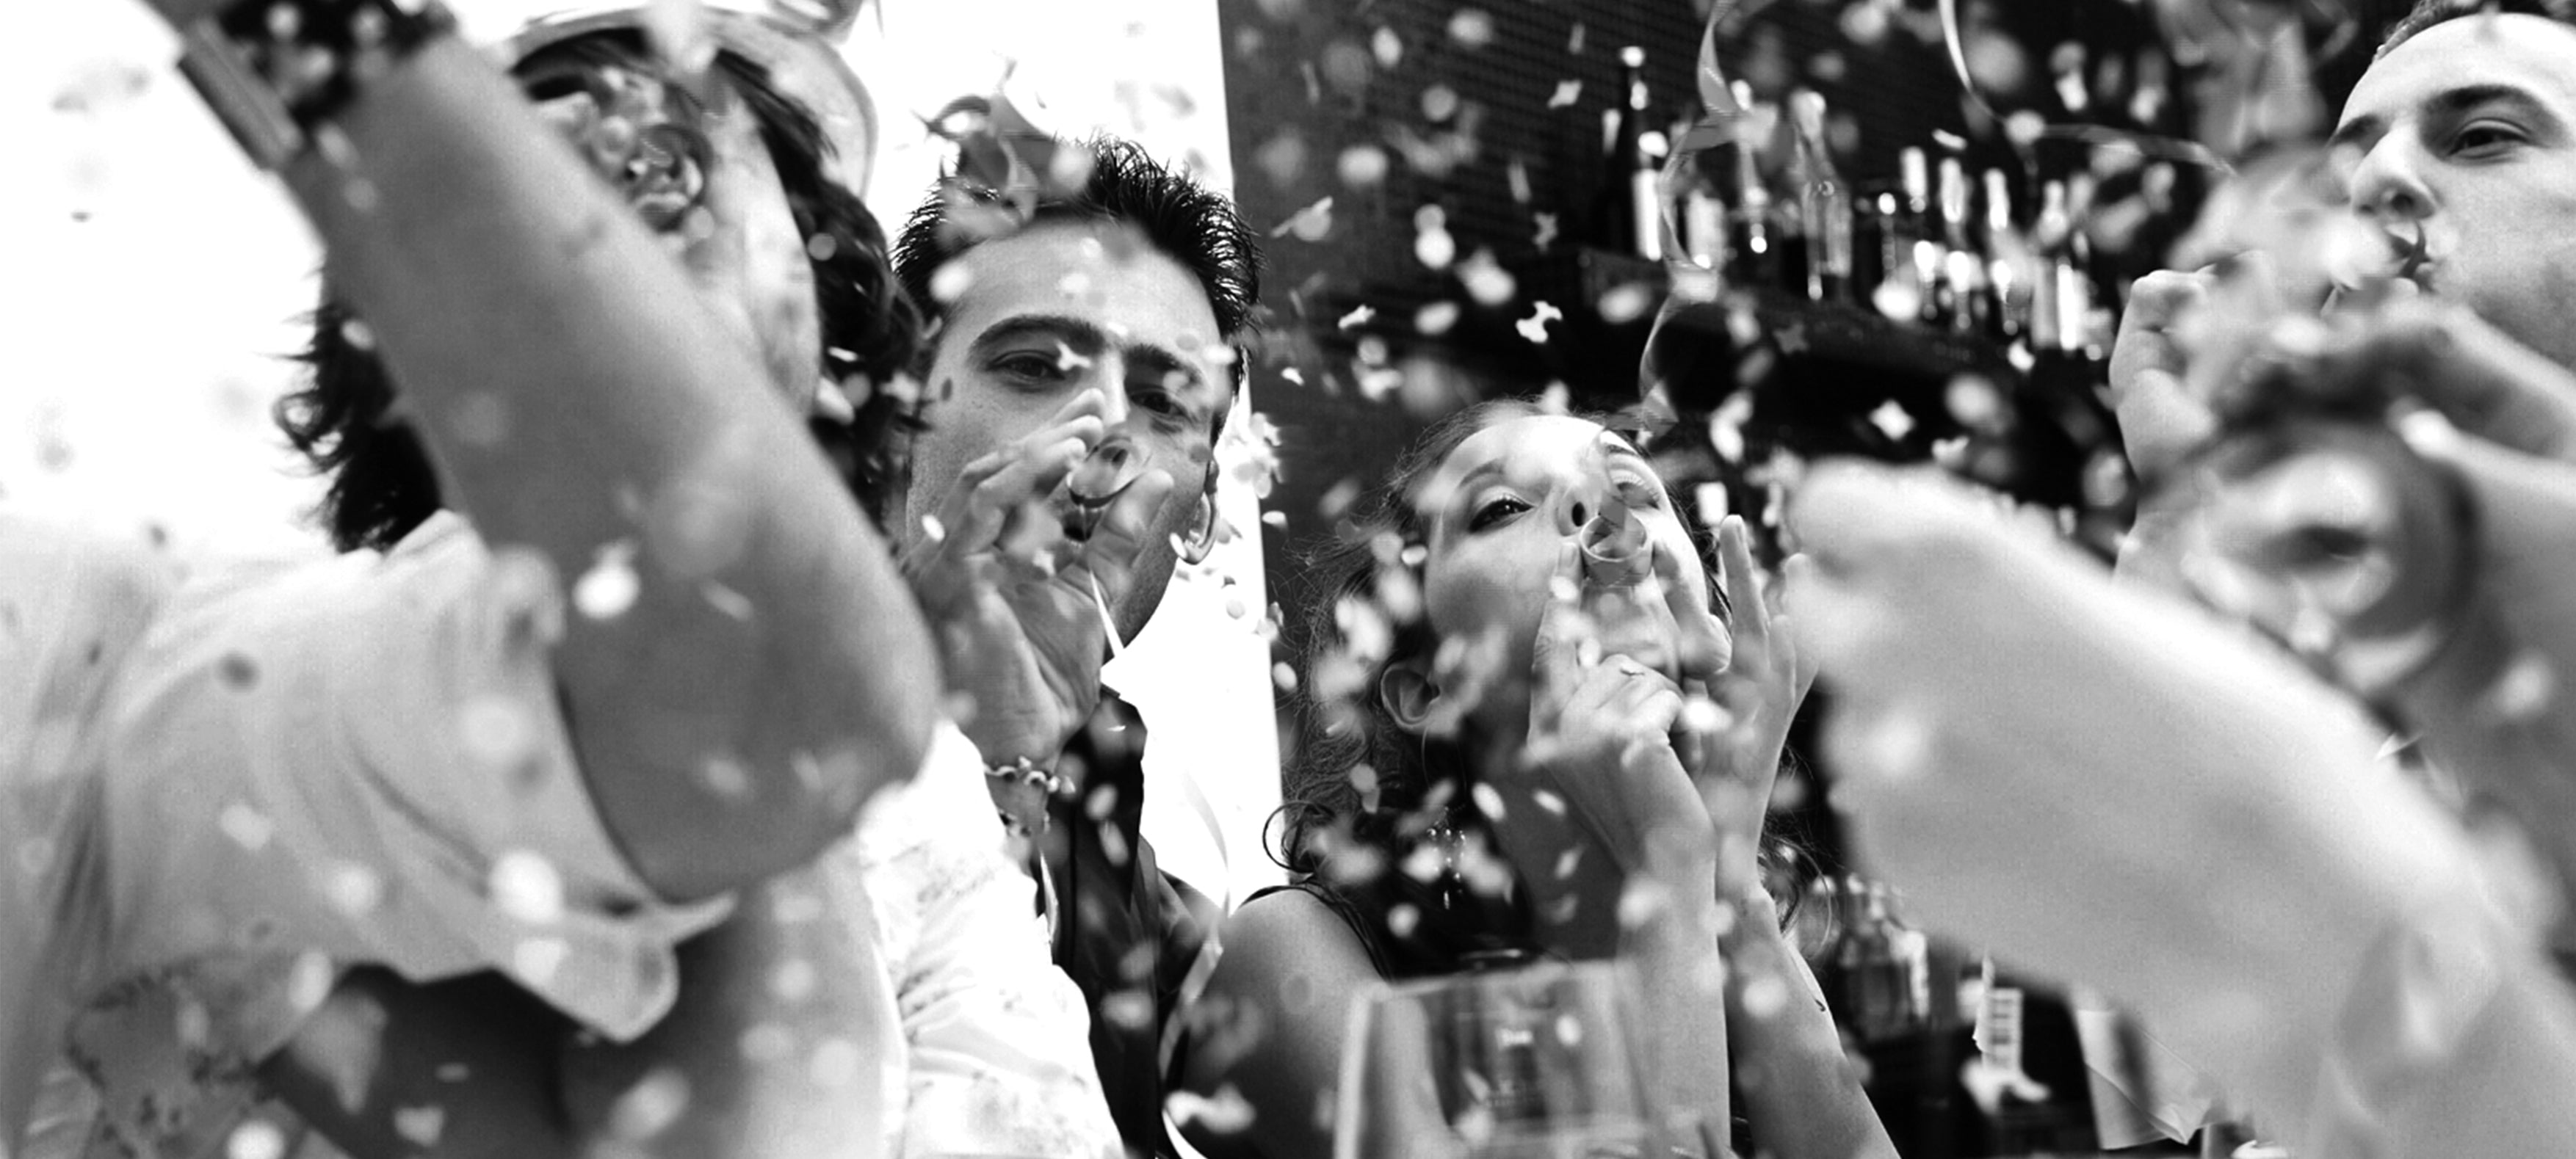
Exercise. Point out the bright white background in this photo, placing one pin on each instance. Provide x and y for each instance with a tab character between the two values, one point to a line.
154	282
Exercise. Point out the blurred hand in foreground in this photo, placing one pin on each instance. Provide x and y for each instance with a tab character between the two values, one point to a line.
2102	783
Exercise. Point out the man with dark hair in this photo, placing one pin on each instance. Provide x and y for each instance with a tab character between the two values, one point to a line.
2428	13
1119	304
2458	144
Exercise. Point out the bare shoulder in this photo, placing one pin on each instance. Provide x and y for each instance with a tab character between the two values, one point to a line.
1267	1033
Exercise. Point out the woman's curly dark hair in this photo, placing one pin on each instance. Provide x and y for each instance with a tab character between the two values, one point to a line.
381	482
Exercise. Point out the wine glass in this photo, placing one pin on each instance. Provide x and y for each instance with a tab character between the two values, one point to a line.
1540	1062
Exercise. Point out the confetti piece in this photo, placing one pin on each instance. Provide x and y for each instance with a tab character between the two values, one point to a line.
951	282
421	1125
1626	302
526	888
1534	327
495	732
767	1042
248	827
1387	47
535	960
2523	692
650	1106
1471	27
1225	1113
1358	316
1439	103
1362	166
256	1139
353	889
1486	280
1892	420
611	586
1310	224
725	777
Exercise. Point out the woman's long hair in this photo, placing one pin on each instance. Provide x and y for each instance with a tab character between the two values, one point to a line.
381	483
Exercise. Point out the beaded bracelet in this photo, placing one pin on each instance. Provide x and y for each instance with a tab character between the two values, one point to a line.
1025	811
276	71
1027	772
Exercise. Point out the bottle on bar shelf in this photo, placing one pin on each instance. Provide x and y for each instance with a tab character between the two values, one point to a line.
1788	204
1881	969
1869	270
2062	299
1824	202
1699	209
1916	240
1962	286
1752	238
1628	209
2010	271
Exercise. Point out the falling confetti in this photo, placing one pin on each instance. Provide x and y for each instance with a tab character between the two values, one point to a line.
526	888
1534	327
611	586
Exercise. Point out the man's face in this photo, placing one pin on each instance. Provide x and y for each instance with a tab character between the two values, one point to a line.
2468	132
1057	309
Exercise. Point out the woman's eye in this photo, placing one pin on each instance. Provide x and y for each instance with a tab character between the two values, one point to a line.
2484	138
1638	493
1495	510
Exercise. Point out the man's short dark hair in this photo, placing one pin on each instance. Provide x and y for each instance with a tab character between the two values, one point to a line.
2428	13
381	484
1187	221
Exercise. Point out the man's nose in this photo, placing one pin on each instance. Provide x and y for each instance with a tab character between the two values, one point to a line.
1107	373
2388	187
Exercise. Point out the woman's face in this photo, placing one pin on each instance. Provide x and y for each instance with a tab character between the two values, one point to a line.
1500	512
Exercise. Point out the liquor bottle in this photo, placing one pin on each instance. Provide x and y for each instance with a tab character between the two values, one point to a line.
2031	1055
1629	212
2062	297
1824	201
1963	268
1869	244
1915	244
1752	232
1879	967
1699	211
2009	268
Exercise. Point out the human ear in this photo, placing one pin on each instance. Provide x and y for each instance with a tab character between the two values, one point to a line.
1408	693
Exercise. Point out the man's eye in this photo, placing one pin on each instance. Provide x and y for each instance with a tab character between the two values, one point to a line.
1031	365
1495	510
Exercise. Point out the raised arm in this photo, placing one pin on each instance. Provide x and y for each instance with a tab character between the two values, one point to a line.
583	404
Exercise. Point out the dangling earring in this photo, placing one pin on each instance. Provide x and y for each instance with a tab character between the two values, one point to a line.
1202	545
